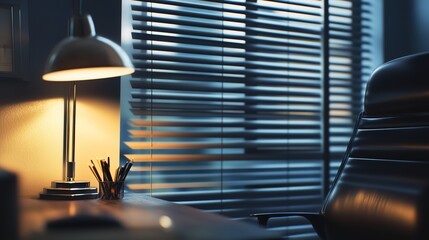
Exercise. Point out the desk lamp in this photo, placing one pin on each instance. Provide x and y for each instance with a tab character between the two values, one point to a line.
81	56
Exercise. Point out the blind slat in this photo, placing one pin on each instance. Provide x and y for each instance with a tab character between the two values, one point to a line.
277	156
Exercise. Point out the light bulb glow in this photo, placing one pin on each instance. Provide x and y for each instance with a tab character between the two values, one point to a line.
165	222
81	74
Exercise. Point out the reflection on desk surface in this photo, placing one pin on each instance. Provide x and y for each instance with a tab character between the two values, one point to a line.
137	216
152	234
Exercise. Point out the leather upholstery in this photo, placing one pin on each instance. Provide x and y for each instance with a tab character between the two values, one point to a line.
382	188
398	87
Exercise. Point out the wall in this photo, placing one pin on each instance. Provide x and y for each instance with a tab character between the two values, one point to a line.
406	27
31	112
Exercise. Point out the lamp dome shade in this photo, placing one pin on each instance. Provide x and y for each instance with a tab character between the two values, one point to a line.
87	58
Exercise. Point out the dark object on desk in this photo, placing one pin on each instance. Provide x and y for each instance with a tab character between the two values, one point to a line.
84	221
8	206
381	190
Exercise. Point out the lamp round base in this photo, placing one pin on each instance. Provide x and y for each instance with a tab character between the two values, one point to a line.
69	190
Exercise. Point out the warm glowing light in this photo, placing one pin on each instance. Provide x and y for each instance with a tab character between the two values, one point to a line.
72	209
165	222
87	74
25	123
378	207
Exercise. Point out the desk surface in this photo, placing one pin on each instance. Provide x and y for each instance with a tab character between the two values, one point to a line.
141	217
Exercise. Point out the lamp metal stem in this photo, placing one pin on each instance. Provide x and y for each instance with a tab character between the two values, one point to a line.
66	143
71	133
74	125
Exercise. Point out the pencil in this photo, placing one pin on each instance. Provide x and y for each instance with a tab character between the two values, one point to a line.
117	174
106	171
95	172
121	173
127	169
101	167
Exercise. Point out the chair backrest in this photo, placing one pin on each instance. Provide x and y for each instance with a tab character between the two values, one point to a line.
382	188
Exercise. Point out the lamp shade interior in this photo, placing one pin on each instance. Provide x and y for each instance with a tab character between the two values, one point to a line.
80	74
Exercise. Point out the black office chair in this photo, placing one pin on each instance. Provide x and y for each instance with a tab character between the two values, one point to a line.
381	191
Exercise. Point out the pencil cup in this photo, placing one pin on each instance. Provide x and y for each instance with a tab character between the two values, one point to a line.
111	190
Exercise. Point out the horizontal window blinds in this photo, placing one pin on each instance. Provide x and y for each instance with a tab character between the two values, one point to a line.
226	105
351	61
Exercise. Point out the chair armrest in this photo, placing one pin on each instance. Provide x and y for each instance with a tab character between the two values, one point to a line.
316	219
264	217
